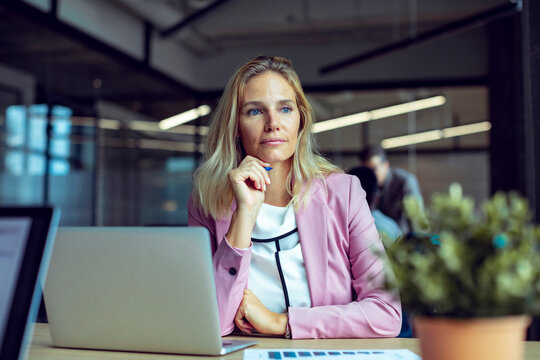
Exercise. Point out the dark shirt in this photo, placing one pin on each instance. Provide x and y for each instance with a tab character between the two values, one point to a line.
397	185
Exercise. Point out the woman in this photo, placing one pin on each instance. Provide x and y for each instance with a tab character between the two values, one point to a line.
292	237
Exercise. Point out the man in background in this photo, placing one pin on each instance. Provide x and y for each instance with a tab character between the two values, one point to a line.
394	184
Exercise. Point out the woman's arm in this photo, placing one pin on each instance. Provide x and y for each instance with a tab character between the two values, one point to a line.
231	269
248	183
232	254
376	312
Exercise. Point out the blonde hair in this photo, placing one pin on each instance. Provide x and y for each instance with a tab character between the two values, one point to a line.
223	149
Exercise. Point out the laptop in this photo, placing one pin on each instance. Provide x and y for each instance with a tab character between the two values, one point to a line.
135	289
26	237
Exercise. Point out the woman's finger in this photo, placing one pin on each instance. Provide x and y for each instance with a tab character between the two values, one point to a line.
244	326
243	175
263	174
258	161
259	181
241	321
254	172
257	165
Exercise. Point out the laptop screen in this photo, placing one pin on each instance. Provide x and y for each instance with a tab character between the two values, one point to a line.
24	252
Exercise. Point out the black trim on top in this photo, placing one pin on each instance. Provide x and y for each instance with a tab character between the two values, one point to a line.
282	278
277	238
278	262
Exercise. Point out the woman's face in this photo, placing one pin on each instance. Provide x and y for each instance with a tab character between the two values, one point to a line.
269	119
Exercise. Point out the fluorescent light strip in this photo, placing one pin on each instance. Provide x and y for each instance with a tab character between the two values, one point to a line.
137	125
91	121
412	139
184	117
466	129
163	145
435	135
109	124
170	145
378	113
181	129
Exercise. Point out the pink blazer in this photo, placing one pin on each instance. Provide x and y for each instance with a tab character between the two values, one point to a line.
338	237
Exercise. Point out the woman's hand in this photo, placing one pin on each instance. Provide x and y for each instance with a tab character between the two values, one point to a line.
248	182
252	314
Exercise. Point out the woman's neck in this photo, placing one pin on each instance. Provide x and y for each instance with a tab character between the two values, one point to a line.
276	192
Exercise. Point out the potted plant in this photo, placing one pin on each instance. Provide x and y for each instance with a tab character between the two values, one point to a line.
470	277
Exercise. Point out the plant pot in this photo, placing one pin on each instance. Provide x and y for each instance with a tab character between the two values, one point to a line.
497	338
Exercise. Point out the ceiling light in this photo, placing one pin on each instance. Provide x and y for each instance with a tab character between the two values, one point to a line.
466	129
170	145
435	135
412	139
181	129
138	125
91	121
378	113
109	124
184	117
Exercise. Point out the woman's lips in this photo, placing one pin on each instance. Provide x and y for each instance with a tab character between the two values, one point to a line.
272	141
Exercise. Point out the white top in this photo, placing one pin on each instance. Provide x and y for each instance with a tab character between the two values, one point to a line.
276	257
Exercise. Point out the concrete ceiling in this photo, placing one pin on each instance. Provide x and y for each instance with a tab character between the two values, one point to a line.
121	50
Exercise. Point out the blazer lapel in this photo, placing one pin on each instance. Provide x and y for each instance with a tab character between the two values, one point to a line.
311	222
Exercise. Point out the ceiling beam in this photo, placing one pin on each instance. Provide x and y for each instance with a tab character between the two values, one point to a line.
474	20
173	29
62	29
375	85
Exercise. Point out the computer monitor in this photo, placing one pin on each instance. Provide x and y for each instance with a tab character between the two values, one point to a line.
26	237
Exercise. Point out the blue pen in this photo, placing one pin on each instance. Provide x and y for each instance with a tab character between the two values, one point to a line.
267	168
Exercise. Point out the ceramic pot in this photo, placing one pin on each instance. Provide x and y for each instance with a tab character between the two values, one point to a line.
497	338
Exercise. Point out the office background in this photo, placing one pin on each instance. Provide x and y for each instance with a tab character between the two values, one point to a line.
84	83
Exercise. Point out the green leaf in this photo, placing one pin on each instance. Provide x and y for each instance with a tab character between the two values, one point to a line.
461	262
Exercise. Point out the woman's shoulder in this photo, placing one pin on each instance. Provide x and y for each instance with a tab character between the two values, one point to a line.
338	180
197	214
341	185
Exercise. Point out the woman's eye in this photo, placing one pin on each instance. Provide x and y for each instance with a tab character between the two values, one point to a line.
254	112
286	109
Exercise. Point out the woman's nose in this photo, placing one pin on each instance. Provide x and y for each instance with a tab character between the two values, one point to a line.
272	121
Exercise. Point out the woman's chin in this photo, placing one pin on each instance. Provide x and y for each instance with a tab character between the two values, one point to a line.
275	160
273	157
